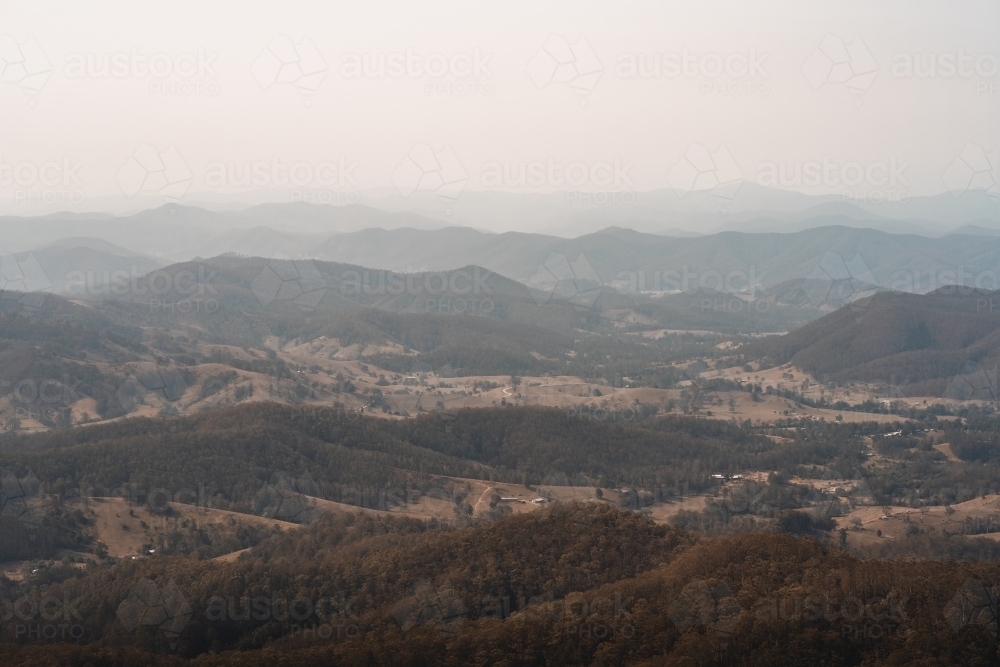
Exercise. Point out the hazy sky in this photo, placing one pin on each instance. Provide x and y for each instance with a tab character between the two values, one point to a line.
829	91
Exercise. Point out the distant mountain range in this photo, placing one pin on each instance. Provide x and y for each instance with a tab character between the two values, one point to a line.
977	230
566	214
625	261
178	233
658	263
667	211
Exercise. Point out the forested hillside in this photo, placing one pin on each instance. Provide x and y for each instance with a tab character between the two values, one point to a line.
569	586
237	450
924	341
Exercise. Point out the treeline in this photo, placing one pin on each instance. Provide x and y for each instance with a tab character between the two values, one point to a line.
228	455
976	446
235	451
567	586
535	444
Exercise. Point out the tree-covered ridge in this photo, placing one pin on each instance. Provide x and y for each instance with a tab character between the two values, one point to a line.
919	342
237	450
567	586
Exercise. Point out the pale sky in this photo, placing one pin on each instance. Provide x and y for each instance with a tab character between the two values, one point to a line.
522	106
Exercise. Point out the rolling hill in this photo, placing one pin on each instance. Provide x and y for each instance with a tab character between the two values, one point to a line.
946	343
570	585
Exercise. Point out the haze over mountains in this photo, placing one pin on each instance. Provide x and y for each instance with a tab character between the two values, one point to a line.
575	305
562	213
666	211
656	241
785	238
520	334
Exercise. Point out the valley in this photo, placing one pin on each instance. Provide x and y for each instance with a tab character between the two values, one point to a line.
478	334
